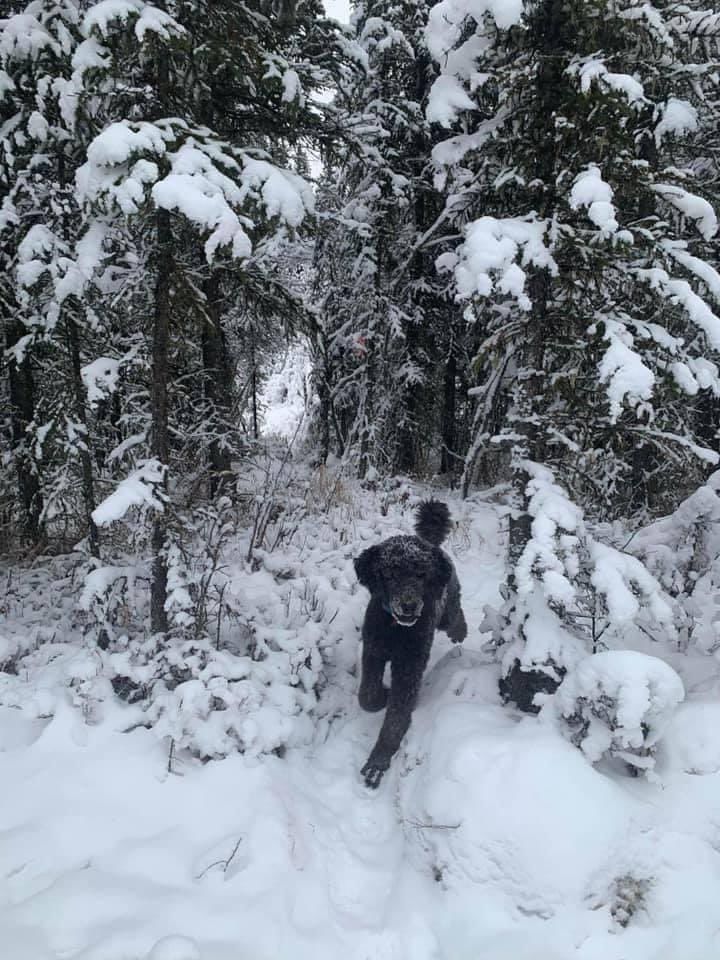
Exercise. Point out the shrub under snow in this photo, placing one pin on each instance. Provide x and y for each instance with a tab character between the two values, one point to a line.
617	703
569	589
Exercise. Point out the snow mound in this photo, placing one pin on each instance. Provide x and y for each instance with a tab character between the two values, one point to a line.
506	806
617	703
692	739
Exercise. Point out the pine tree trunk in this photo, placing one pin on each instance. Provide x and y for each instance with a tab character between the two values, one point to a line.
256	427
644	459
22	413
86	466
78	387
218	378
415	429
449	416
367	406
159	412
323	389
406	458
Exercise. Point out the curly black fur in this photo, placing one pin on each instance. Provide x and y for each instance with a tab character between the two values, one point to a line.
414	591
433	521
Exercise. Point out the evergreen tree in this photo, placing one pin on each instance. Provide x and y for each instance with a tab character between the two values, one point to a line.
146	167
586	243
390	341
45	270
201	213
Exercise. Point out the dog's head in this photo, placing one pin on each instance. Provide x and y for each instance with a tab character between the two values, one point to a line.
405	573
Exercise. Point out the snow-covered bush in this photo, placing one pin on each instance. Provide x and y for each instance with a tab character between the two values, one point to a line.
262	635
539	655
569	589
617	704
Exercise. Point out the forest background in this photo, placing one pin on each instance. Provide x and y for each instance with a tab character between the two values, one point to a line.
504	276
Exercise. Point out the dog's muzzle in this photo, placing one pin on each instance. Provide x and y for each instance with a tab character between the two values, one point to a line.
405	614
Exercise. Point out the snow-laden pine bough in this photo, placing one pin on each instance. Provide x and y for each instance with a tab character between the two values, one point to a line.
414	592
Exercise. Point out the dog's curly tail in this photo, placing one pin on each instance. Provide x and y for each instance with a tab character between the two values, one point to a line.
432	521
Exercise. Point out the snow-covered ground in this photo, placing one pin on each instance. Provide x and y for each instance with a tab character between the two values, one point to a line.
491	837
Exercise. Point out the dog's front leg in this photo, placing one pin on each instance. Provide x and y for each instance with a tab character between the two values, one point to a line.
404	688
372	694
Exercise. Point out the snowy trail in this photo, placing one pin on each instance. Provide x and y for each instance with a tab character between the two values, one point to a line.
490	836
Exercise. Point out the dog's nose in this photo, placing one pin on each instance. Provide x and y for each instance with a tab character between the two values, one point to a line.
408	607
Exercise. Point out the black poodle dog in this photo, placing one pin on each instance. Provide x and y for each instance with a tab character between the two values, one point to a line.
414	591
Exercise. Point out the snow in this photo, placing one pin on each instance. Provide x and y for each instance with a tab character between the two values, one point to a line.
592	70
653	18
285	195
7	84
553	515
110	153
680	291
89	55
617	703
551	576
447	18
80	270
101	16
628	379
700	268
37	126
175	948
138	489
693	207
447	98
292	88
546	643
487	257
490	835
225	817
284	395
204	203
100	378
591	191
35	247
23	37
678	117
214	187
100	581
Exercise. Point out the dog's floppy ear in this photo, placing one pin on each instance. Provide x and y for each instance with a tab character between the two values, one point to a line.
366	568
442	570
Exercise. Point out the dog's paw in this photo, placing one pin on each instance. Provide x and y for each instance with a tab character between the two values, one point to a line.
373	772
373	700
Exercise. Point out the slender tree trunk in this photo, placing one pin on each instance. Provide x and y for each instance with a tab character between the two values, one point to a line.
644	459
449	415
78	387
418	415
86	466
367	405
22	413
323	389
218	380
256	428
406	460
159	401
